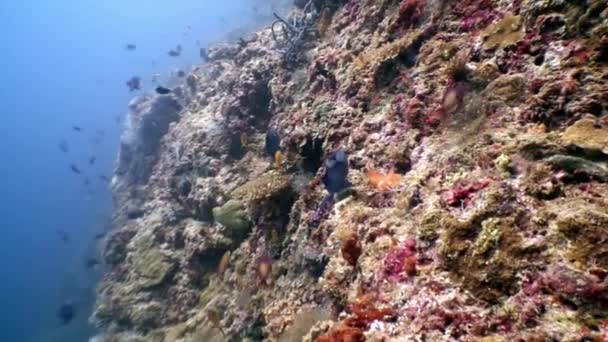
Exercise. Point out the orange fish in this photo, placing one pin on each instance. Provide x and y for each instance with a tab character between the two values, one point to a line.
278	159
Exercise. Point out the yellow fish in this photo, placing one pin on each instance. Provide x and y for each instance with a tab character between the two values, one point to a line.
244	139
278	159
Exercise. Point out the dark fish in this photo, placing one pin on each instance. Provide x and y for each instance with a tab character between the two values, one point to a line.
100	132
134	83
92	160
77	129
175	52
181	73
63	146
87	182
162	90
336	172
91	262
75	169
273	142
203	53
63	236
99	236
104	178
66	313
130	47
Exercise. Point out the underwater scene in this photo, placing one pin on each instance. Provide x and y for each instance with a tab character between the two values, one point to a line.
304	170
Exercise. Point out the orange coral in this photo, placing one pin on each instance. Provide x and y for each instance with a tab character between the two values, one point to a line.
351	249
363	314
383	182
342	333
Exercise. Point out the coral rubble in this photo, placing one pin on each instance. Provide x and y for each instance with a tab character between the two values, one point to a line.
491	224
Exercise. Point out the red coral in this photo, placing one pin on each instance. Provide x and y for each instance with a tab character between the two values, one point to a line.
476	13
462	193
571	284
401	260
410	12
342	333
363	313
351	249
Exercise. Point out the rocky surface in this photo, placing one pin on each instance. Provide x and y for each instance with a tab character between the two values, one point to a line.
491	225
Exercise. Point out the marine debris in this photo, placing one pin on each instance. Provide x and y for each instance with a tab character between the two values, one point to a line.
443	176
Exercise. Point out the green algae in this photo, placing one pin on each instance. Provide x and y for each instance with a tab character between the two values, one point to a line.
233	216
152	267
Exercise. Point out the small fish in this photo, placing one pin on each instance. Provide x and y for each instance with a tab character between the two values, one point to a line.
63	146
63	235
77	128
214	318
99	236
104	178
87	182
175	52
162	90
66	312
92	160
75	169
181	73
91	262
273	147
273	142
278	159
202	52
224	261
244	139
130	47
134	83
336	172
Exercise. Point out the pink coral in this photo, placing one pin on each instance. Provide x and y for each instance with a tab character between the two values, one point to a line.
462	193
401	262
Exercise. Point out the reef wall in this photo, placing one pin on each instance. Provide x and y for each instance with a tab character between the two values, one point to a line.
476	133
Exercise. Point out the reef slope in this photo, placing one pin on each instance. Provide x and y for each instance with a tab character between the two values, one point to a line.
491	226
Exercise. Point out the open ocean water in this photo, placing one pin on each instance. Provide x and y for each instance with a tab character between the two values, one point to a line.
63	95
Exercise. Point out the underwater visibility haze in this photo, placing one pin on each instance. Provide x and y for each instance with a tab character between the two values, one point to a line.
304	170
64	98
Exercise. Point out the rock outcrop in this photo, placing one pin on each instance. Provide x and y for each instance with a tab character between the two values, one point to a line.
492	119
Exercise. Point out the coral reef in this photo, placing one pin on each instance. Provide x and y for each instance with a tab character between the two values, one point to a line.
491	224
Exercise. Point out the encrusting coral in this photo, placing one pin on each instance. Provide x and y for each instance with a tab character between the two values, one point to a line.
492	118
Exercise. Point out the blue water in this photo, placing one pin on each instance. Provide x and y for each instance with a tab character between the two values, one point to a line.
64	64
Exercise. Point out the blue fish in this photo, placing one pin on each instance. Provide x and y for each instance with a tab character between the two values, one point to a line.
336	172
273	142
